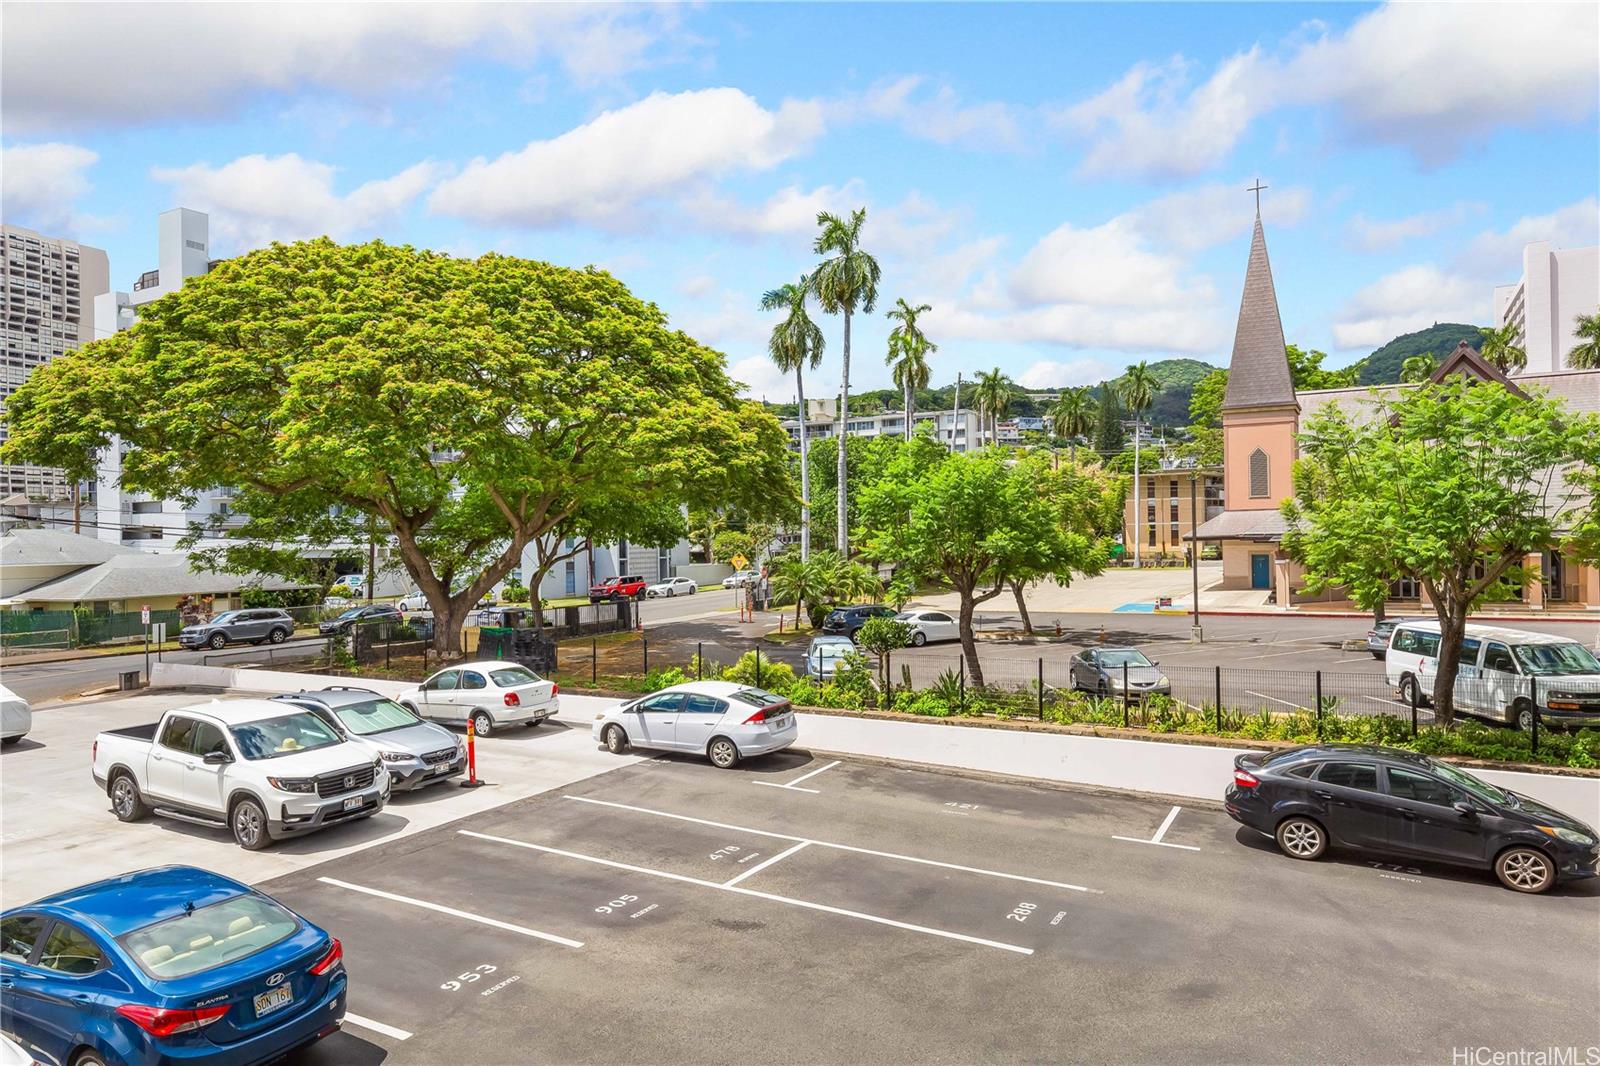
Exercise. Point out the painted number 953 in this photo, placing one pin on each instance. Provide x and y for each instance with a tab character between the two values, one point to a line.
477	973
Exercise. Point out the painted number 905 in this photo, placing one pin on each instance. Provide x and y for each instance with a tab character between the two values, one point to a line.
616	904
1022	911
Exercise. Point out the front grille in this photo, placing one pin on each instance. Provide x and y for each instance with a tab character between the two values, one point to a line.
345	781
434	758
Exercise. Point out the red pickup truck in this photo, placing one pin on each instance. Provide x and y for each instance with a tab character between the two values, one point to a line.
617	588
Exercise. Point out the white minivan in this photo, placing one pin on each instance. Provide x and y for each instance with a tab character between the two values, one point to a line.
1502	674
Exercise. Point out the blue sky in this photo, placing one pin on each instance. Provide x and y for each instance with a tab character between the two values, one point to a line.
1064	184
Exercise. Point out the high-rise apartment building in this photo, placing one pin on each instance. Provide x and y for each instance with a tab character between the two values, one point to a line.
1557	286
48	287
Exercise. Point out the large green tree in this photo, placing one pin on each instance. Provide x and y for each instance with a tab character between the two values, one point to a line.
795	344
1585	355
1072	418
1109	438
1500	347
992	393
909	348
469	407
845	282
1450	484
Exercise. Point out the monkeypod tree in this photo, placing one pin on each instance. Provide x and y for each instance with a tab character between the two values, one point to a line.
469	407
1450	484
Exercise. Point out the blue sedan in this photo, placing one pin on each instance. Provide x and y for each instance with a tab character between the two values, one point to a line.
172	965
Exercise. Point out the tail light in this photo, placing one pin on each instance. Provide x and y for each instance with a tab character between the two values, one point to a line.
1245	779
94	751
326	963
158	1021
513	700
761	716
555	690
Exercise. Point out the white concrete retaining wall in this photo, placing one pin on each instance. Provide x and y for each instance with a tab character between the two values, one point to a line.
1175	769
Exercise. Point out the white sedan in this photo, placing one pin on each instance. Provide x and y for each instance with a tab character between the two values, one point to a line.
740	578
673	586
929	626
483	695
721	720
15	717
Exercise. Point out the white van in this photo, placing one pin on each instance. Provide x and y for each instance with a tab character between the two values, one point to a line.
1501	673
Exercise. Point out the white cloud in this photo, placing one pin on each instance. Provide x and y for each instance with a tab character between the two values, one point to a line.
257	199
1430	77
1499	253
606	170
762	380
1377	235
1406	300
939	116
791	211
1209	215
1106	265
41	183
138	63
1049	374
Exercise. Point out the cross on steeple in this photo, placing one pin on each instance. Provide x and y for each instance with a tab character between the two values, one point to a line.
1256	188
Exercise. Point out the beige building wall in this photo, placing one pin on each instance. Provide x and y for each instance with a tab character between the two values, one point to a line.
1243	433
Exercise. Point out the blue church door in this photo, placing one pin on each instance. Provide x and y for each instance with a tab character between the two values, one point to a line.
1260	571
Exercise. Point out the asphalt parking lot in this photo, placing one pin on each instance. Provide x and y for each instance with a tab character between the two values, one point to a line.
801	909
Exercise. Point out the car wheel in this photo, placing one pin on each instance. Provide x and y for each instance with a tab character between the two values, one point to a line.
1525	869
481	723
1409	692
616	740
1522	714
918	639
249	823
1377	655
722	752
126	803
86	1057
278	636
218	641
9	742
693	589
1301	838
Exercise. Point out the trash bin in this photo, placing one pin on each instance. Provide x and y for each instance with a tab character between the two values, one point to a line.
128	680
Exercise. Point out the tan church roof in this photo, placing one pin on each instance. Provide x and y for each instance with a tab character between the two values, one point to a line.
1258	375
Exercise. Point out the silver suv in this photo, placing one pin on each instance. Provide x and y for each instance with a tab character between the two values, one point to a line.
256	625
414	752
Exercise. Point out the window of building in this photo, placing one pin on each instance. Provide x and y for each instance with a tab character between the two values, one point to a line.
1260	477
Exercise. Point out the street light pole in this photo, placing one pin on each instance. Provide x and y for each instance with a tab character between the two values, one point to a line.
1196	634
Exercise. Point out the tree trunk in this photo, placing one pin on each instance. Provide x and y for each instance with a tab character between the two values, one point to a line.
844	430
805	478
1022	606
1378	611
447	625
969	642
909	402
77	507
1452	612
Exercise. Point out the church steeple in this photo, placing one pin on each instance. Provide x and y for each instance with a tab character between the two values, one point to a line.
1258	375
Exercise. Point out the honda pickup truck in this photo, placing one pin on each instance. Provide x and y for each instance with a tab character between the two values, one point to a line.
262	769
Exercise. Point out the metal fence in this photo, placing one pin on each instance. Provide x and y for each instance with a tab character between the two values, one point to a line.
48	630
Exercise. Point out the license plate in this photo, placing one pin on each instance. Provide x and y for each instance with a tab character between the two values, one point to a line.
352	803
781	722
267	1002
442	770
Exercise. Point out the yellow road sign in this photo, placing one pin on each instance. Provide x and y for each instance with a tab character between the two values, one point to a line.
739	562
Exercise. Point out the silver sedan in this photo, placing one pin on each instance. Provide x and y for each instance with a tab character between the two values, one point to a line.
1102	670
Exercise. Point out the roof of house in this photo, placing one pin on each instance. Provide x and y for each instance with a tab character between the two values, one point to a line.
1258	374
52	547
1266	524
135	575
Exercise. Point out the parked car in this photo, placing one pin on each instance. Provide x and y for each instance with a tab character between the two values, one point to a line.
673	586
723	720
16	718
1408	805
254	625
847	621
416	601
365	615
170	965
617	588
1378	636
11	1053
262	769
350	582
740	578
826	655
930	626
1502	674
484	695
414	752
1101	670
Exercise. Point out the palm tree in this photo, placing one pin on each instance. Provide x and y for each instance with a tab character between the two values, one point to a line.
1138	389
1586	356
1418	368
845	282
993	394
1072	416
809	581
1500	348
796	343
909	348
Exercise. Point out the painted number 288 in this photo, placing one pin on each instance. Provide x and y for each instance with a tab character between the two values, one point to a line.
474	974
1022	911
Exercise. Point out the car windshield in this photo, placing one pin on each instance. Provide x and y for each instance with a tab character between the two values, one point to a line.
1548	659
1117	658
513	677
209	936
375	716
831	651
351	613
223	619
756	697
1461	779
288	735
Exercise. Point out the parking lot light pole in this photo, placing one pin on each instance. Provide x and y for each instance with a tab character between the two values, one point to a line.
1197	634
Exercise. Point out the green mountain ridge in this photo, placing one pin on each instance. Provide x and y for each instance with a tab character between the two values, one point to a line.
1382	367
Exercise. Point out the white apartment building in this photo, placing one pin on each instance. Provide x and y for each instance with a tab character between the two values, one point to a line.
959	432
1557	285
48	287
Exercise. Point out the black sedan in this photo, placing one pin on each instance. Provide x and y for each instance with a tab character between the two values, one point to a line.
1408	805
378	612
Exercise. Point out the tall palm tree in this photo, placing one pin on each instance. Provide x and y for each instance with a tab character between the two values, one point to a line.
1072	416
909	349
845	282
993	394
1138	389
1418	368
1500	347
1586	356
795	344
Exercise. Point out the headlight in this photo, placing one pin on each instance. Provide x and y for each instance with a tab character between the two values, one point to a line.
1162	680
1571	836
293	784
600	717
1116	681
395	756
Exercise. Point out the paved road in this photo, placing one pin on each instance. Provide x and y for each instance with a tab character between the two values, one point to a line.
669	912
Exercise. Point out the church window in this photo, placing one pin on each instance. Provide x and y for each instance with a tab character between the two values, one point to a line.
1260	482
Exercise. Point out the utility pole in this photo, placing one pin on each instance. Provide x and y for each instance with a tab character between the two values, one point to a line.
955	419
1138	500
1197	635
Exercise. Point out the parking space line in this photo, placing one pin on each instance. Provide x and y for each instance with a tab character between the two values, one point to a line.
813	773
1172	816
376	1027
830	844
1275	699
808	904
1275	654
791	788
442	909
758	867
1380	699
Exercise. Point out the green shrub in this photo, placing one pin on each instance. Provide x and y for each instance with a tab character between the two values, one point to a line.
773	676
664	677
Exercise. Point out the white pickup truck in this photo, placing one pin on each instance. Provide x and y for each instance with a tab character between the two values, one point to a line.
262	769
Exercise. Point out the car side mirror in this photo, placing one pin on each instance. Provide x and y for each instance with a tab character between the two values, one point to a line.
216	758
1465	809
